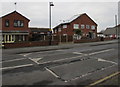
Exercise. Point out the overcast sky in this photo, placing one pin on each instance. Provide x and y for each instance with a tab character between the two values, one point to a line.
103	13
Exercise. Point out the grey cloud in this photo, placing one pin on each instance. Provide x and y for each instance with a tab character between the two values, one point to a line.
38	12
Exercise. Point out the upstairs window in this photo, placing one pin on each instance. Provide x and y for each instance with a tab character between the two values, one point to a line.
82	26
59	29
64	26
76	26
87	26
93	27
55	31
7	23
18	23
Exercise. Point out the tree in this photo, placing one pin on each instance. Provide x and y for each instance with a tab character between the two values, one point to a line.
78	32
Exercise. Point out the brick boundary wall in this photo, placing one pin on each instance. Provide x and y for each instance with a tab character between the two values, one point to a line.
86	40
108	38
92	40
29	44
46	43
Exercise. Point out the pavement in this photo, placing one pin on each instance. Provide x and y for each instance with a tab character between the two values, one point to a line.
68	64
60	46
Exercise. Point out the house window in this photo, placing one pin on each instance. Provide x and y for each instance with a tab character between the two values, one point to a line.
76	26
3	38
7	23
18	23
59	29
92	27
87	27
82	26
55	31
64	26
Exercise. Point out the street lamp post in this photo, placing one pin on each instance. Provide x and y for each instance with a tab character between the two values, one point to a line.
50	37
116	25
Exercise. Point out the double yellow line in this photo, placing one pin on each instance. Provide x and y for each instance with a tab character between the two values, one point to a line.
103	79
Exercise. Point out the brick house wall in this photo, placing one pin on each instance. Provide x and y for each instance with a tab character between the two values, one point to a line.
12	33
82	19
15	16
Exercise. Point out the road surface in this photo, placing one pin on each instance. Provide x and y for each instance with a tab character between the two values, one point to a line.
86	64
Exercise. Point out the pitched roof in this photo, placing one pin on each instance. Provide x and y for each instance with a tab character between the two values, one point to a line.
110	31
13	13
73	18
70	20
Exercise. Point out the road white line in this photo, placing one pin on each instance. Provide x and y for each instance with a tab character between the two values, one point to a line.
27	54
66	59
60	60
13	67
46	51
77	53
60	50
102	60
90	73
83	55
53	73
13	60
35	60
100	51
39	52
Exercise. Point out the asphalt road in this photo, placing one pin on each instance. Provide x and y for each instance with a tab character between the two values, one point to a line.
76	64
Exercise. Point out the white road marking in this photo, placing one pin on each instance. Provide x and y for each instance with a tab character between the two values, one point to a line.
77	53
27	54
76	56
35	60
13	67
40	52
60	60
100	51
102	60
13	60
66	58
48	51
89	73
45	51
53	73
60	50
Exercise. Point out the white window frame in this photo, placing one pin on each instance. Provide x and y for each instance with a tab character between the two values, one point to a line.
92	27
64	26
59	30
76	26
82	26
7	23
18	23
55	31
87	26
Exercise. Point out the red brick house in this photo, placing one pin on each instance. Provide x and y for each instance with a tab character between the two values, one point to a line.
80	22
14	27
38	34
